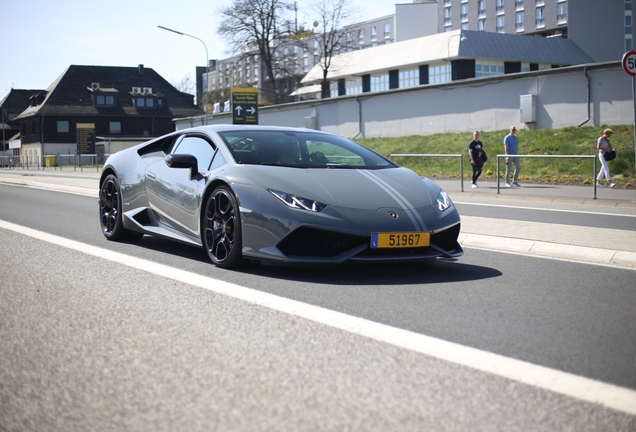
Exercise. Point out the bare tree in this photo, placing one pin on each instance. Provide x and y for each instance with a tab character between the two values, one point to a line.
256	25
331	18
186	85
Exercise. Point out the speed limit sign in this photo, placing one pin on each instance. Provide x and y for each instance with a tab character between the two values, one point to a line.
629	62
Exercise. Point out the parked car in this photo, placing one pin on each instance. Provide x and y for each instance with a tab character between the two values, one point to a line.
275	194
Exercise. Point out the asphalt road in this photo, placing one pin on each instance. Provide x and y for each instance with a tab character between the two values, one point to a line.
91	341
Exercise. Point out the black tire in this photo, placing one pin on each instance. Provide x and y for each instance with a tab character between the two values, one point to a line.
110	212
221	228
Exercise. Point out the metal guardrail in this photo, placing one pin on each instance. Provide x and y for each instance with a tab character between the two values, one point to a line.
499	156
55	162
460	156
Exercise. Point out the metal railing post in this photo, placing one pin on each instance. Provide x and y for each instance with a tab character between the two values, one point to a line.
461	170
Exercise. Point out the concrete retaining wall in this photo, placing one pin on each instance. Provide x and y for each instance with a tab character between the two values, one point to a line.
484	104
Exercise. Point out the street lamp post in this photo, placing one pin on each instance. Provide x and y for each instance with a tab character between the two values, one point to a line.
206	65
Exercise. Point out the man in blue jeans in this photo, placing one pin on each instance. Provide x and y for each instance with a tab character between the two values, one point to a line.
511	144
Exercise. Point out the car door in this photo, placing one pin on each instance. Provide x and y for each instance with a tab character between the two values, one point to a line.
174	194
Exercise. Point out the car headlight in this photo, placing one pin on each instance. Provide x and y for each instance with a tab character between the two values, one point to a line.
297	202
443	201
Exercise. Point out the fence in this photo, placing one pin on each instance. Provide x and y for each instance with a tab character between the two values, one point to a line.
499	156
461	164
59	161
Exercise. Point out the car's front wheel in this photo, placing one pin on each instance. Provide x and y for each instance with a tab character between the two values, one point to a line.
110	212
221	224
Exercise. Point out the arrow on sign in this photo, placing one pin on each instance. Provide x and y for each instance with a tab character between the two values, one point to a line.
251	110
238	109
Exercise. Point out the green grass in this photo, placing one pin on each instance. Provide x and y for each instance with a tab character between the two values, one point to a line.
566	141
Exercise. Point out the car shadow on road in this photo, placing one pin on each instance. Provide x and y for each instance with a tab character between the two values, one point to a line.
441	271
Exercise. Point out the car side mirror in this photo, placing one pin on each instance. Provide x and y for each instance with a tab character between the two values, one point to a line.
183	161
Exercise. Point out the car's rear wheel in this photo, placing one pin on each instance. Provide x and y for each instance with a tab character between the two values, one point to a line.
221	224
110	212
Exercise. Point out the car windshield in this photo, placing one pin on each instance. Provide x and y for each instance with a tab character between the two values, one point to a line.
300	150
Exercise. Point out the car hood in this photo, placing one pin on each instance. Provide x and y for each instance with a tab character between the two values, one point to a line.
348	188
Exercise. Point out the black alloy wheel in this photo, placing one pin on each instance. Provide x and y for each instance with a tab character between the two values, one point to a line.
222	228
110	212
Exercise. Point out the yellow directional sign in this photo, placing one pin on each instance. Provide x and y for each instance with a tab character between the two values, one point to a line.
244	105
85	138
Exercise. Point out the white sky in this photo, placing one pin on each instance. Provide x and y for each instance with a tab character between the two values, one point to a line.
41	39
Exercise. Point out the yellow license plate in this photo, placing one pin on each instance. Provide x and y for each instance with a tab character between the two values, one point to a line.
400	240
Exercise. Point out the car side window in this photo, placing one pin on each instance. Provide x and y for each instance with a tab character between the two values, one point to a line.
197	147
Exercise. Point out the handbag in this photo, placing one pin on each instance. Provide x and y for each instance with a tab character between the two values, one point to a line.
484	157
610	155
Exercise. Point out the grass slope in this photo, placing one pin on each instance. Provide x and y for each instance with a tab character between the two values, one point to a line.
567	141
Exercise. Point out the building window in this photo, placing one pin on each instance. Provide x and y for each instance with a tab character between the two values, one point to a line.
387	31
361	37
519	21
353	86
114	127
488	68
463	11
540	17
519	4
481	7
628	25
439	73
380	83
104	100
562	13
333	89
409	78
374	34
482	25
501	24
447	15
628	5
464	26
62	126
144	102
500	5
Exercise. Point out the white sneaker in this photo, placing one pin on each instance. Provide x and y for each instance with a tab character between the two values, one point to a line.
599	185
612	185
474	185
516	184
508	185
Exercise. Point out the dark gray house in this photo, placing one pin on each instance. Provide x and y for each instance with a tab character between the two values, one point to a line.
87	103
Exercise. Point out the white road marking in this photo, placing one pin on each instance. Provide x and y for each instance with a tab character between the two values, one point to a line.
544	209
581	388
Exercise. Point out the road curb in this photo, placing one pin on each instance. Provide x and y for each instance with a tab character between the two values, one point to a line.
561	251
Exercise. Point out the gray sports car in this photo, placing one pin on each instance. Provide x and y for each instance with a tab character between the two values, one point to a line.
275	194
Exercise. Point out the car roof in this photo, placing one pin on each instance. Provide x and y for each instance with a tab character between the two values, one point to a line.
230	127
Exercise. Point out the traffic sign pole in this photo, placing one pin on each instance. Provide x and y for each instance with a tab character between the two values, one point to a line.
634	100
629	66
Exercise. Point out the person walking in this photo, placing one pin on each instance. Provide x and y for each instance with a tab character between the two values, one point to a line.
604	145
511	144
475	152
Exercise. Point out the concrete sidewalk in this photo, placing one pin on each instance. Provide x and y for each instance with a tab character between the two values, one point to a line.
529	238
